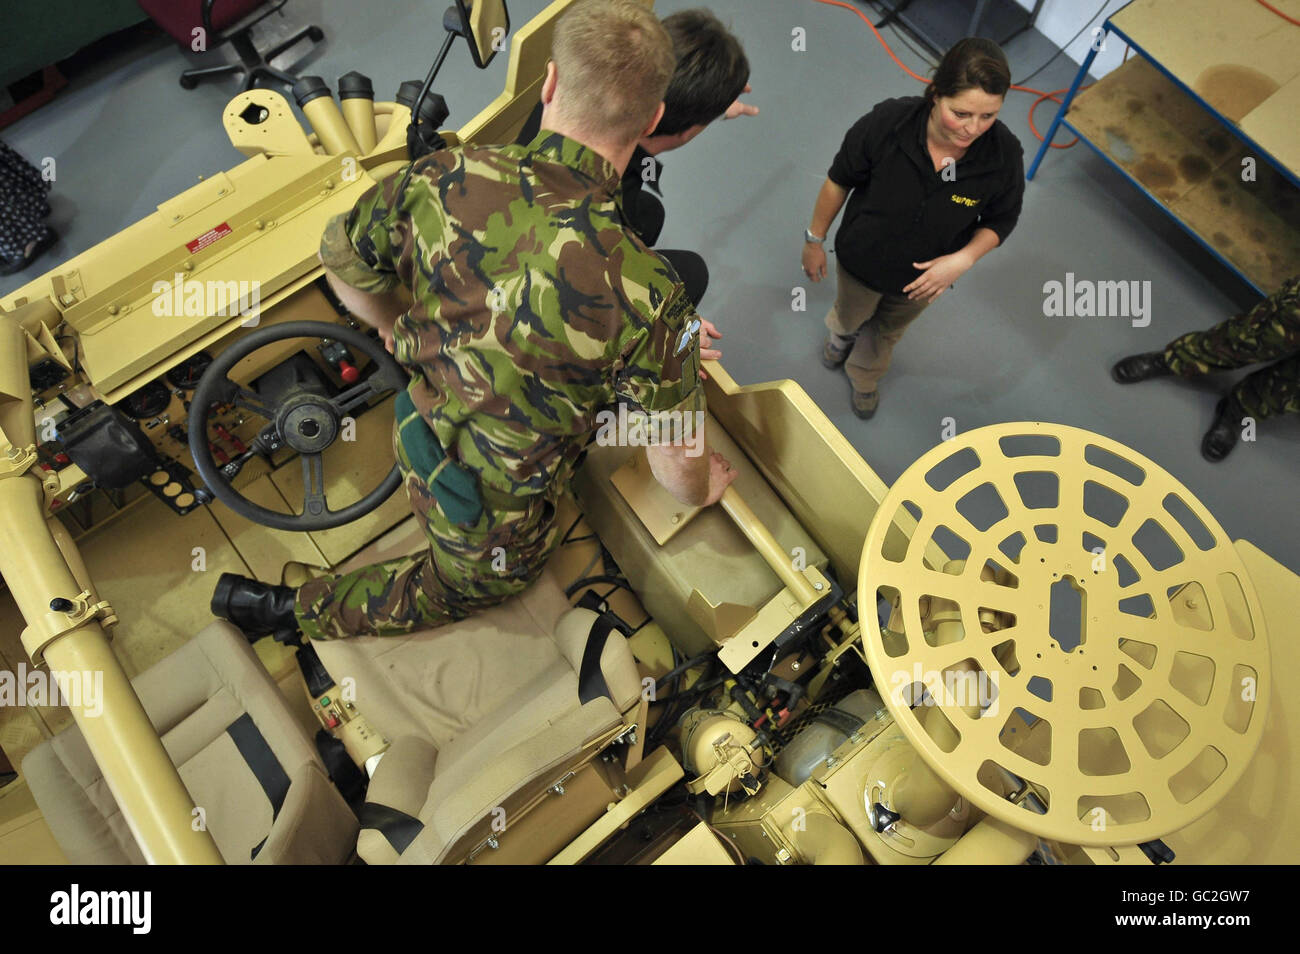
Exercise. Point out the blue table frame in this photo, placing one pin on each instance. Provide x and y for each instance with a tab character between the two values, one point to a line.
1060	120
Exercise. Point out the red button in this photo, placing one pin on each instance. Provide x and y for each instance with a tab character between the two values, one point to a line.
62	459
348	372
331	722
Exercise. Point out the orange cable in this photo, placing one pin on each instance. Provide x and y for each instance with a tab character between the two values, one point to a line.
865	19
1054	95
1268	6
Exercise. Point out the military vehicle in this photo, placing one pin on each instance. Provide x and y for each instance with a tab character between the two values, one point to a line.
1035	647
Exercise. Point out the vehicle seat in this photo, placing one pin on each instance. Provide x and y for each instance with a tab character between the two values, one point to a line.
481	713
246	761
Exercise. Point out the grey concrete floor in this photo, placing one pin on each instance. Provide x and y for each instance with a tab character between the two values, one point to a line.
127	137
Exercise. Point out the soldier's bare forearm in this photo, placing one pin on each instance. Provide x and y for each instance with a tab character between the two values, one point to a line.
684	475
378	311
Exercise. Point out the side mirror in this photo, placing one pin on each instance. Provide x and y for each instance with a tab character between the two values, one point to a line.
484	25
487	23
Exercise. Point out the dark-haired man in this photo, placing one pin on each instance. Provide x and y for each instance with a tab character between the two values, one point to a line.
712	72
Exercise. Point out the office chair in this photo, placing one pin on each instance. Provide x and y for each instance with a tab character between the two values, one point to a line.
226	21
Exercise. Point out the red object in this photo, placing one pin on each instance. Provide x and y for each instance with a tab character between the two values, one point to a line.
348	372
62	459
331	721
180	18
208	238
1288	19
51	82
231	439
1024	89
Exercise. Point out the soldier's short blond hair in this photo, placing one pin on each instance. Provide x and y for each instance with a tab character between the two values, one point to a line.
614	60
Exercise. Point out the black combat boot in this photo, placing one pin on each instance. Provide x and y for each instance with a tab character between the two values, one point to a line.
1139	367
1222	436
255	607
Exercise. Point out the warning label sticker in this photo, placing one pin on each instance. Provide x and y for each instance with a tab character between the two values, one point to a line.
209	237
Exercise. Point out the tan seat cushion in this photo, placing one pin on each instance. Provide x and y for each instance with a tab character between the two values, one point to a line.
438	683
78	807
397	793
482	706
501	756
218	713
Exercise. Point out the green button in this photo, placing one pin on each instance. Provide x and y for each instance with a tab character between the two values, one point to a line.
324	700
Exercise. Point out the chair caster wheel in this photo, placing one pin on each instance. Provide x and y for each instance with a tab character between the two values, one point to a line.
188	82
316	34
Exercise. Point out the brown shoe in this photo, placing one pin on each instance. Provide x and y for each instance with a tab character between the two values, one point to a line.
865	403
833	355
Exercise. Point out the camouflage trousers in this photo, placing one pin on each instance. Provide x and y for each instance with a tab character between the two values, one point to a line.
464	569
1269	331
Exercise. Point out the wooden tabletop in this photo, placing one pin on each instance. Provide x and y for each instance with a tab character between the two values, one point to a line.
1237	55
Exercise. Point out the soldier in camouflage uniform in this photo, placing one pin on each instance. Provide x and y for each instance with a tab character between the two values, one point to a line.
533	309
1269	331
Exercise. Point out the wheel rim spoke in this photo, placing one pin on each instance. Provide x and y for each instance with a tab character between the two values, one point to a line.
242	397
313	486
353	397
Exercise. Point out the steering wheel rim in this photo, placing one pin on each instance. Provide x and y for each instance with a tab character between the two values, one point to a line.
1092	696
216	387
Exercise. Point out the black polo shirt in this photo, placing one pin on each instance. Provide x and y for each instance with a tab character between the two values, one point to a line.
900	210
641	216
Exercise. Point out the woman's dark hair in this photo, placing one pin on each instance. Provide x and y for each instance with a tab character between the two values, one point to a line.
972	63
712	71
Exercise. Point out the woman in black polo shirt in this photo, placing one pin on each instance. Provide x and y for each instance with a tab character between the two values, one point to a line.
933	183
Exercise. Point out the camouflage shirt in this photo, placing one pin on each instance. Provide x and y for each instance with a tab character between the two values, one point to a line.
535	308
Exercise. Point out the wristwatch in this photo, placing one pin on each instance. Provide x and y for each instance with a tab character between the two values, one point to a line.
815	239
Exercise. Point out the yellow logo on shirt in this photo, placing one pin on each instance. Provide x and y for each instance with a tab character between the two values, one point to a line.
962	200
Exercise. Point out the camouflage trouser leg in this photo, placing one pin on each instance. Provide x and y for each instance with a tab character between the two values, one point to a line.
1271	390
1269	331
463	570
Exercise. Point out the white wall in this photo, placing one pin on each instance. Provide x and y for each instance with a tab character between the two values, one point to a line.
1061	19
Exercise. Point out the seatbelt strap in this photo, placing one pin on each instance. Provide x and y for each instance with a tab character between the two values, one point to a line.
262	762
591	679
397	827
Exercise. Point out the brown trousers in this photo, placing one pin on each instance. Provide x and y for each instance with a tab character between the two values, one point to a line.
873	321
